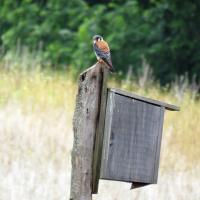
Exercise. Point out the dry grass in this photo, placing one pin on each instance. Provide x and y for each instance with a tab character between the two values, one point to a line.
36	110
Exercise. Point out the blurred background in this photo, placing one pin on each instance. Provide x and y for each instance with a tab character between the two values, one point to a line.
45	44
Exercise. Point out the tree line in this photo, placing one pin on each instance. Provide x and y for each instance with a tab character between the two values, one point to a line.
164	32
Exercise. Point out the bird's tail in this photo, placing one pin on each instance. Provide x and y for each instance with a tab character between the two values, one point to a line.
109	64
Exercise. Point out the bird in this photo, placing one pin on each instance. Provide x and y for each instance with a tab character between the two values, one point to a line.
102	51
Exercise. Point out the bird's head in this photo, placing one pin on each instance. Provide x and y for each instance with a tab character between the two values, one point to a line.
97	38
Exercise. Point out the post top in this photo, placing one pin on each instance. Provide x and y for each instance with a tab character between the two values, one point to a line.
145	99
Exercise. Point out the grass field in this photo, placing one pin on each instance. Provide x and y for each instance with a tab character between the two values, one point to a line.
36	110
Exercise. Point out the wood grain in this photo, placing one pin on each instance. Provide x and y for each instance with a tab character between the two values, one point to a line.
85	122
99	134
132	140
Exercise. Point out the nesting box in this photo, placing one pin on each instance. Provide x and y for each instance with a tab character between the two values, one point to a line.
132	138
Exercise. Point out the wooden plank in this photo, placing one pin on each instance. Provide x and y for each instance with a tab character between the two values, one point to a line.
157	152
159	139
130	140
107	132
99	134
85	121
152	101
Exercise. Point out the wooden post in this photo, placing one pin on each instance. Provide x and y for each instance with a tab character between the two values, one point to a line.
85	124
99	134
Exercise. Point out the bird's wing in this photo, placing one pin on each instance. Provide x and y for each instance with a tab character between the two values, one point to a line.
103	45
102	50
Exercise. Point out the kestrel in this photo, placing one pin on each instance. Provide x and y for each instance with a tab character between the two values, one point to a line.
102	51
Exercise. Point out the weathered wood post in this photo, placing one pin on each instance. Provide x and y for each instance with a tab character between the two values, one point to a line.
87	122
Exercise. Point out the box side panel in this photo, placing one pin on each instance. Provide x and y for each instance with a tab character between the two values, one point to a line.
131	140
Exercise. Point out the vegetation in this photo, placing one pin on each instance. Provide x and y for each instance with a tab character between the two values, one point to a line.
36	109
45	44
47	90
164	32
